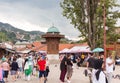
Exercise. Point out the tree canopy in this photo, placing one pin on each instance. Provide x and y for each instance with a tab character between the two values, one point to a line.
3	37
87	17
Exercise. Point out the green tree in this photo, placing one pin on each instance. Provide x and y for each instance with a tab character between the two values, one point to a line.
3	37
11	36
64	40
87	17
27	36
37	38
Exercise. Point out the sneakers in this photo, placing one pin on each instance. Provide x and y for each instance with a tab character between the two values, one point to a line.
68	81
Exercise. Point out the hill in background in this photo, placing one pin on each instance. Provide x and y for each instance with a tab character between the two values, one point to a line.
11	33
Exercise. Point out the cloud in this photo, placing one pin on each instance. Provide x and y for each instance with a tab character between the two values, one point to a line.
36	15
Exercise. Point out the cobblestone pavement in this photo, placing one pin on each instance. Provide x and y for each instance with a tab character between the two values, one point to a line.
78	76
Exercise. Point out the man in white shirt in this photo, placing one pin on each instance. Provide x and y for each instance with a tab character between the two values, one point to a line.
109	67
20	62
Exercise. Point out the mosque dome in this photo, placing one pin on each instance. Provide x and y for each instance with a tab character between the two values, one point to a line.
53	30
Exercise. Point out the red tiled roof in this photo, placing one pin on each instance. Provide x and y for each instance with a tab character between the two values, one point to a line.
43	47
29	46
37	44
20	49
63	46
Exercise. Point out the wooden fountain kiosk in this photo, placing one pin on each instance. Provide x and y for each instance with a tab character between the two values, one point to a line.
52	37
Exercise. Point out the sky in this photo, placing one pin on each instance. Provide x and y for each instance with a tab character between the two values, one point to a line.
37	15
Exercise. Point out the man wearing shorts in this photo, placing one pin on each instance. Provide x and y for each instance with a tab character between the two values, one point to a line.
6	68
14	69
42	69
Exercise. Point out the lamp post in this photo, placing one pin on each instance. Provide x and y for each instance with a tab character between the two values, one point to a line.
104	24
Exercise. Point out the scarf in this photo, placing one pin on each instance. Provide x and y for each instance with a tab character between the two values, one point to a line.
98	74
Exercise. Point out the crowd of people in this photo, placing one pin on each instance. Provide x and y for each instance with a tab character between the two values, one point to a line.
66	66
98	68
18	65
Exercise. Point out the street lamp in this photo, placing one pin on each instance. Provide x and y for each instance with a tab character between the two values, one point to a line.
104	26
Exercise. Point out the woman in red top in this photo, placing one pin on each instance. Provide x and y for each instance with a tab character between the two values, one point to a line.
42	69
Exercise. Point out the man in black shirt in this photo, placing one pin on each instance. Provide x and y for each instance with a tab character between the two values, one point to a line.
90	62
90	65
